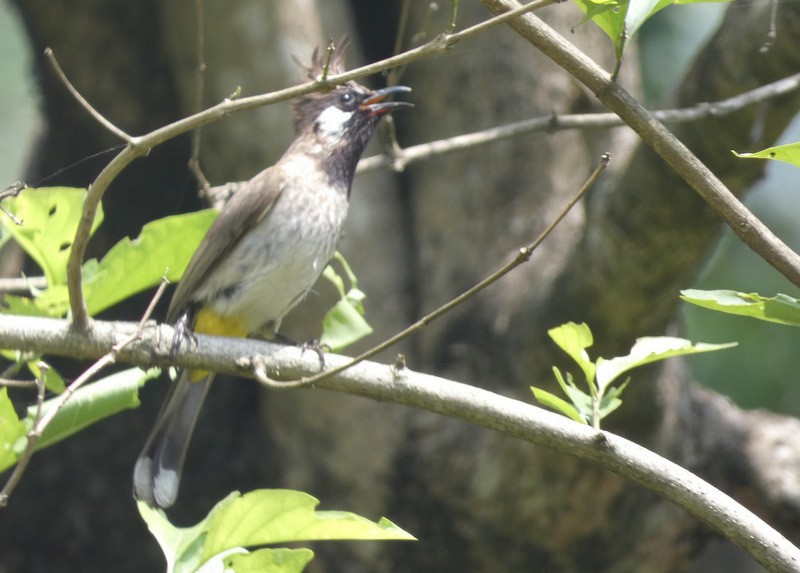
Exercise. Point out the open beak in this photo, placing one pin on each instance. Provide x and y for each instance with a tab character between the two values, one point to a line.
374	104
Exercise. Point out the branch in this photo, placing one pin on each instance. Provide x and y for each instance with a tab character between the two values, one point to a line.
399	385
746	225
399	158
48	52
41	421
140	146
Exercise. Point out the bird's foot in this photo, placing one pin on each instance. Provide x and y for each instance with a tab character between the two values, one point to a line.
315	346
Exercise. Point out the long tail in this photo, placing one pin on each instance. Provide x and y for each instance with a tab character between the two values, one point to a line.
157	473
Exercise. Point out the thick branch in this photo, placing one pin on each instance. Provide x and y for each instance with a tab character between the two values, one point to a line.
402	386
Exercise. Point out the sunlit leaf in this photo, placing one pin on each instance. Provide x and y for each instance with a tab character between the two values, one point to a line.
50	217
132	266
789	153
574	339
647	350
280	560
12	429
93	403
281	516
553	402
781	308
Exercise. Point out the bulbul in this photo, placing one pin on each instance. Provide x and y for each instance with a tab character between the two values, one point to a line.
263	253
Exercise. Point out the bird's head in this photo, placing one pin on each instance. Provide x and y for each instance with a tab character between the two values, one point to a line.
346	115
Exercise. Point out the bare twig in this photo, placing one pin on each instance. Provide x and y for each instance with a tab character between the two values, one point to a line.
22	284
522	256
48	52
41	422
398	158
33	437
199	85
18	383
139	146
11	191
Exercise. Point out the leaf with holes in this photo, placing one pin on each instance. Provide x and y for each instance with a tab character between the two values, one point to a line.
49	219
789	153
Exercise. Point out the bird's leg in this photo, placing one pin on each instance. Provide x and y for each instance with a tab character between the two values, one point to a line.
315	346
183	332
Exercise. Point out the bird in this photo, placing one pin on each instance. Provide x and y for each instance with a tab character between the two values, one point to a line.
263	253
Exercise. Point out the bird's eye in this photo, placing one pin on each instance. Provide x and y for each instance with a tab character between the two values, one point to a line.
346	98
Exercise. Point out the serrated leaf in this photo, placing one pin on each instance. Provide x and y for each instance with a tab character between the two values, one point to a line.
781	308
132	266
553	402
50	218
265	517
574	339
647	350
280	560
12	429
789	153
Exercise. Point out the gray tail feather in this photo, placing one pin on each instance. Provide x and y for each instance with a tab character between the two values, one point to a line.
158	469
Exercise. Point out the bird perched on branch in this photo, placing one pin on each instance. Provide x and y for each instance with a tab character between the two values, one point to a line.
263	253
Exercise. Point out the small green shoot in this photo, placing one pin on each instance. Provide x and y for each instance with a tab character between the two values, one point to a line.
603	396
344	324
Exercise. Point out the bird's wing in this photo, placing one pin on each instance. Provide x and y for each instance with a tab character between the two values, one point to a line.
248	207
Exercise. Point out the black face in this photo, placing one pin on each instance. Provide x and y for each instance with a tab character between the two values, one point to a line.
341	121
349	108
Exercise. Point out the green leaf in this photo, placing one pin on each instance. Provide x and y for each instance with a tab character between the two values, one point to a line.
131	266
12	430
49	218
281	560
92	403
553	402
611	399
281	516
781	308
574	339
343	325
182	546
790	153
52	379
647	350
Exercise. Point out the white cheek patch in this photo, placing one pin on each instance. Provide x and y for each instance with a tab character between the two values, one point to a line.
332	120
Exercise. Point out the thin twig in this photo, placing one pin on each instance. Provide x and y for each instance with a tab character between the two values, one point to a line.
33	436
398	158
522	256
48	52
199	85
12	191
18	383
41	422
139	146
22	284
